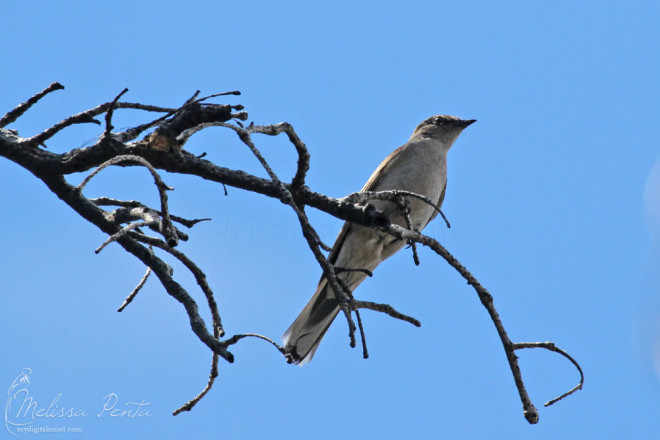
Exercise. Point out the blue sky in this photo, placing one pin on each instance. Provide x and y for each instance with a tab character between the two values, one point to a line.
553	198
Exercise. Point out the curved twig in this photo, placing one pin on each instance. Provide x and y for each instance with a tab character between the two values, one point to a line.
392	196
167	228
552	347
303	155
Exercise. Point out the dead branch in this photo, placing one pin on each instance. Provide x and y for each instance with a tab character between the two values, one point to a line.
131	296
17	112
162	149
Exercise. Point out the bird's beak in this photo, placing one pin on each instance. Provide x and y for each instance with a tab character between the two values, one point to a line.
465	122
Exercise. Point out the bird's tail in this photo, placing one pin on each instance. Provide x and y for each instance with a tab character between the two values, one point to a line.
304	336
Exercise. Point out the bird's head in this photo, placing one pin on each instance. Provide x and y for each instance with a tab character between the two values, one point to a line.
443	128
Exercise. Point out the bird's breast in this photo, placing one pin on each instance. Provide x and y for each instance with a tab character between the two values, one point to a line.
423	173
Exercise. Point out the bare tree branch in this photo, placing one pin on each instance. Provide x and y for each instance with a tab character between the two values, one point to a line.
17	112
108	114
162	149
131	296
108	201
552	347
166	227
303	155
384	308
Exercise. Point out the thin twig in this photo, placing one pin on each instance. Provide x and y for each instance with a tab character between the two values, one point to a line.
200	277
108	201
234	339
552	347
187	134
80	118
167	229
108	114
117	235
133	133
405	211
347	313
135	291
384	308
192	98
303	154
195	400
445	219
363	337
209	384
367	272
392	196
215	95
151	216
18	111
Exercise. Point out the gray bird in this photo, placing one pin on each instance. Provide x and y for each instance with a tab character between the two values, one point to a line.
418	166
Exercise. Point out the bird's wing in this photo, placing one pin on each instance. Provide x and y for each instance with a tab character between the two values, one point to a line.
371	185
377	175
